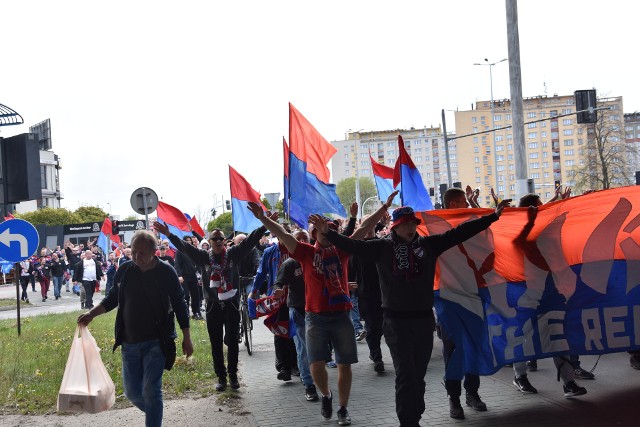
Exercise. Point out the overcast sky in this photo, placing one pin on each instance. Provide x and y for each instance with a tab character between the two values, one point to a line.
167	94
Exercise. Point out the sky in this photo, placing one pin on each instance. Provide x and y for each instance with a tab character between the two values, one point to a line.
166	94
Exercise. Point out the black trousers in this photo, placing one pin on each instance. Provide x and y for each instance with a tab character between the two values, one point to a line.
24	284
410	342
371	312
223	324
89	288
192	294
471	381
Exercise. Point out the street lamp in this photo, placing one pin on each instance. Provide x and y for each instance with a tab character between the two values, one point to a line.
495	157
110	211
365	202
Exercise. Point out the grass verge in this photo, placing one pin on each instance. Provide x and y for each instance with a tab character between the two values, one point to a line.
32	364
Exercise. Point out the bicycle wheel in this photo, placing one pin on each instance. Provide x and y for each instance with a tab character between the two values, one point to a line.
247	326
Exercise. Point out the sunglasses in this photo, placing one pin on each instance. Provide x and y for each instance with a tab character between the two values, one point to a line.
217	239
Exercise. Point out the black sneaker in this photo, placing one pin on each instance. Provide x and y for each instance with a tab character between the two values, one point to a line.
455	408
523	384
361	335
295	372
222	384
582	374
378	366
233	382
327	409
310	393
284	375
634	359
532	365
571	389
343	417
474	401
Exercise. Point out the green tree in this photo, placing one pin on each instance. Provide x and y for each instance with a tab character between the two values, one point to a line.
346	190
224	222
90	214
51	216
131	218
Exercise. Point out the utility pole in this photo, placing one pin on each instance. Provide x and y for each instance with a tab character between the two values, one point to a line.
517	109
446	150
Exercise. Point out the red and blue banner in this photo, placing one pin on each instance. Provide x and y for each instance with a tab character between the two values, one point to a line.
175	219
413	192
241	194
383	175
106	236
309	188
538	283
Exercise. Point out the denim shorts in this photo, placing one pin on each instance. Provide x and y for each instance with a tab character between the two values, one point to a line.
335	328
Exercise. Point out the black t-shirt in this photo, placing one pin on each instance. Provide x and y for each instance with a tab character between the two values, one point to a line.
167	259
141	305
290	274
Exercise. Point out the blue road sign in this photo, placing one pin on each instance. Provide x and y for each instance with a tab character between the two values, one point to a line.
18	240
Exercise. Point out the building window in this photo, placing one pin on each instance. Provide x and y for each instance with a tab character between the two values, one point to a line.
532	125
476	159
568	142
531	115
533	155
568	152
567	132
569	162
533	145
497	117
567	122
474	120
43	176
498	138
534	165
543	134
499	147
567	111
507	116
532	134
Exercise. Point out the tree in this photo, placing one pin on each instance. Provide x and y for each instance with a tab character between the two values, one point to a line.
607	159
224	222
51	216
131	218
346	190
90	214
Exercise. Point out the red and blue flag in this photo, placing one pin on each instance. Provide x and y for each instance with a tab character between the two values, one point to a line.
413	192
241	194
383	175
309	188
285	200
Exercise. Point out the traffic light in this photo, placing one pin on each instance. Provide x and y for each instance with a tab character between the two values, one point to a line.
115	228
228	204
586	100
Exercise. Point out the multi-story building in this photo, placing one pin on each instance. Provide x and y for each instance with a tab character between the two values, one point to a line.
632	137
425	146
555	144
49	172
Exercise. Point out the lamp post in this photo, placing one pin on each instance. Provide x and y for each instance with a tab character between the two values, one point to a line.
110	211
365	202
495	157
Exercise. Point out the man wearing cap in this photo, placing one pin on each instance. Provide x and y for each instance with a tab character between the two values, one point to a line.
406	263
327	306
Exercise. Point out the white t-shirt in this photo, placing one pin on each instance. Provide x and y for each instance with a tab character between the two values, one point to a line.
89	269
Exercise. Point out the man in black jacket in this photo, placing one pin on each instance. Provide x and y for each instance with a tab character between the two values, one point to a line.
187	270
406	264
87	272
223	298
143	290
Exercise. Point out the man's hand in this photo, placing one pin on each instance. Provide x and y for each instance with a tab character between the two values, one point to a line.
273	216
253	296
187	346
503	204
319	223
353	210
567	193
278	293
256	210
85	319
180	279
389	201
161	228
495	197
353	286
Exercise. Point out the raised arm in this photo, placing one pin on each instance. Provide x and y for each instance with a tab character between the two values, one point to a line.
374	218
276	229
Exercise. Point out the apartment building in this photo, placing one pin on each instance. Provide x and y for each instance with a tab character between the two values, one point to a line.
425	146
556	145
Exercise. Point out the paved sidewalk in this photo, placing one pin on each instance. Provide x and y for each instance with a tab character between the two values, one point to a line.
612	400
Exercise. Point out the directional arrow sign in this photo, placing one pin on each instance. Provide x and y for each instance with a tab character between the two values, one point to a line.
18	240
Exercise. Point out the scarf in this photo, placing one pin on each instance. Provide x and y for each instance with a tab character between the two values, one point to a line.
218	279
327	263
407	258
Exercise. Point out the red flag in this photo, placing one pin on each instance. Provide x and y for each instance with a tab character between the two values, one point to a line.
107	229
381	170
173	216
195	226
309	146
9	216
403	159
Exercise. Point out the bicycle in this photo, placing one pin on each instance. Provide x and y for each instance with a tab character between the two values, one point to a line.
246	323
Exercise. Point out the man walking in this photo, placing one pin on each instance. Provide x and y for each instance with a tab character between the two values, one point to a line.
87	272
143	291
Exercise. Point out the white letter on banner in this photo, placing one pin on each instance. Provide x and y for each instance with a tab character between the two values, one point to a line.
612	327
594	334
636	324
523	340
494	331
549	330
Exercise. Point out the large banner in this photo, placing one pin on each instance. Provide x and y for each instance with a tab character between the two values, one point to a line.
562	278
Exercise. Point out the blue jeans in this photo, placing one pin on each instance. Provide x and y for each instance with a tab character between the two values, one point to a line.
142	368
301	346
57	285
355	315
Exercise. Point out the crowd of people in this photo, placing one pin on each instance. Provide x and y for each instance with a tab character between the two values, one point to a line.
313	279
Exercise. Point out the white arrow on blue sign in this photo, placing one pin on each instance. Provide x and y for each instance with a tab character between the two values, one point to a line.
18	240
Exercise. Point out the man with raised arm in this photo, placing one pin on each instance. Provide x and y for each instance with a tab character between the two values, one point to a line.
406	264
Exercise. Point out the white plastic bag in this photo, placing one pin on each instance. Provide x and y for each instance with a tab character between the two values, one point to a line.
86	384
